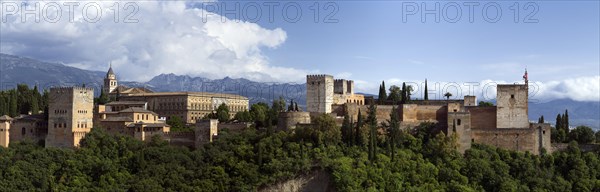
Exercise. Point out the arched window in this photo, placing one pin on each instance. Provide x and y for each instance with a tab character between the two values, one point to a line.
23	131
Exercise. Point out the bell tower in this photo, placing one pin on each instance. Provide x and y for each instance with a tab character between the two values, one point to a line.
110	81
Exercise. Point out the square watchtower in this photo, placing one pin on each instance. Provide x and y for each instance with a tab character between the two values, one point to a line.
512	108
319	93
70	115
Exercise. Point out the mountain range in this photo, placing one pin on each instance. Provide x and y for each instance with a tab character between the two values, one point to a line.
15	70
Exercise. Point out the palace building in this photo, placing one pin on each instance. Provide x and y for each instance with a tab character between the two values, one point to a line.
189	106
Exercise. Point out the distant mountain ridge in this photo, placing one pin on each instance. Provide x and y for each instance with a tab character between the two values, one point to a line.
15	69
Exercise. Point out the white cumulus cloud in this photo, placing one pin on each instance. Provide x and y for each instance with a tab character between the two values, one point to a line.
165	37
579	89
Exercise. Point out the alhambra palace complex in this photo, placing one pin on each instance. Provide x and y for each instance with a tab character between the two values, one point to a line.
141	113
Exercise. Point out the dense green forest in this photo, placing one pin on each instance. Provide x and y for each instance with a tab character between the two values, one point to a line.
421	161
357	156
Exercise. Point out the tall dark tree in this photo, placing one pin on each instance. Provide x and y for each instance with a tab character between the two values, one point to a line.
566	119
382	93
394	130
3	105
23	99
13	108
403	93
558	123
45	98
35	109
408	93
346	130
372	123
426	96
291	106
357	132
562	121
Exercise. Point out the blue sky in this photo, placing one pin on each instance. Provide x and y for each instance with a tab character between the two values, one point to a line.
369	43
372	43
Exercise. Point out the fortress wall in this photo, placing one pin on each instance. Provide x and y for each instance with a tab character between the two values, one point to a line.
423	113
383	111
482	117
508	138
289	120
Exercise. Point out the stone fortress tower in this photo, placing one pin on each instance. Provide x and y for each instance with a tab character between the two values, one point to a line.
110	81
322	91
342	86
70	115
512	110
319	93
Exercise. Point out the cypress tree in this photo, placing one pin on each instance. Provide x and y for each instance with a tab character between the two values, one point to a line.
542	119
562	123
35	109
346	130
558	124
359	123
45	98
38	97
103	99
3	105
403	93
426	97
13	104
372	122
382	93
566	120
394	130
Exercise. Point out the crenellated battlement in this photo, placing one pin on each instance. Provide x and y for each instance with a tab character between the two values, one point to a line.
70	89
318	76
